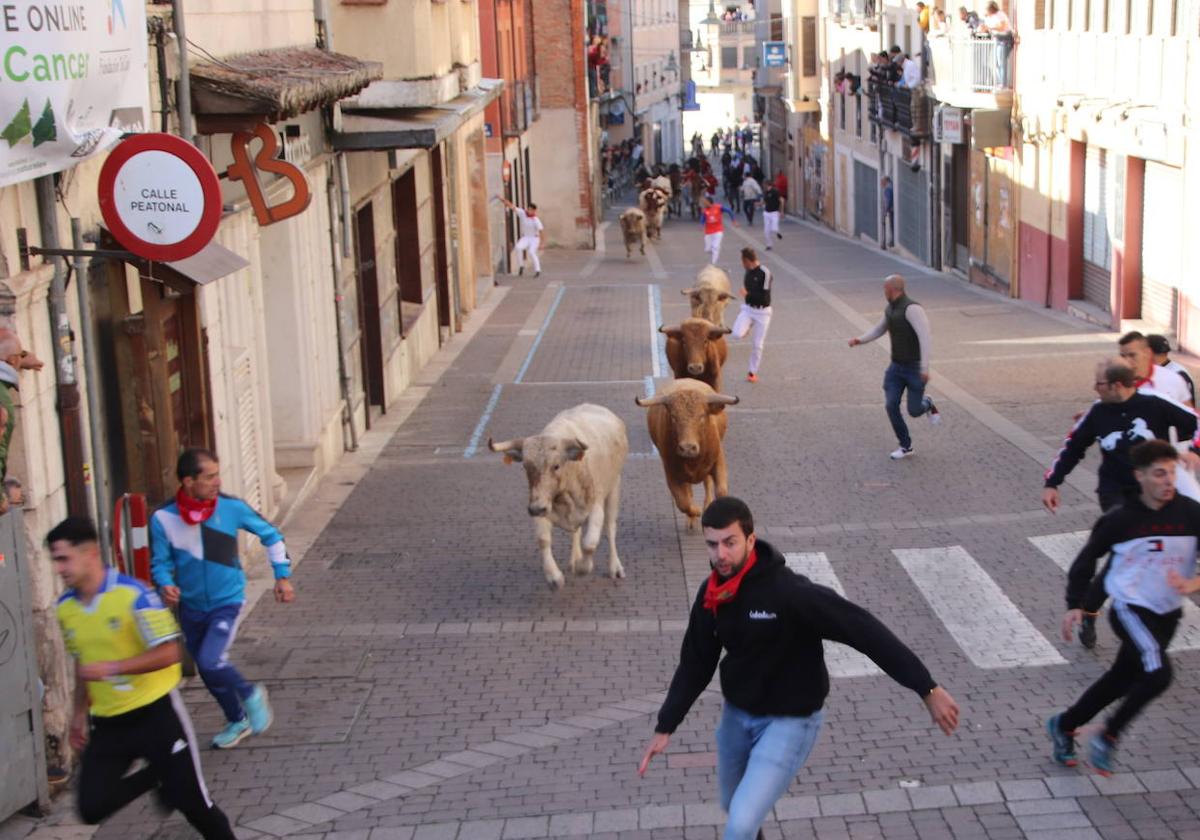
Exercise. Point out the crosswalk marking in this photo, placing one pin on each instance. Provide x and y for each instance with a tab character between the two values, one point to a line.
841	660
988	627
1063	548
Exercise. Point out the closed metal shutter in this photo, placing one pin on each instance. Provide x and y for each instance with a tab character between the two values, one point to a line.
866	200
912	211
1162	245
1098	205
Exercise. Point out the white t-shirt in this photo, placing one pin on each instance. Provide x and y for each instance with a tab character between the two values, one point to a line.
1166	383
997	22
912	73
530	225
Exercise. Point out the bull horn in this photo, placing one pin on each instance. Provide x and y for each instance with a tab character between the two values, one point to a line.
723	399
686	292
670	332
510	447
646	402
724	296
716	332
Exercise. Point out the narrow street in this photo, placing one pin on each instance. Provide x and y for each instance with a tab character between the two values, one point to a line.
428	684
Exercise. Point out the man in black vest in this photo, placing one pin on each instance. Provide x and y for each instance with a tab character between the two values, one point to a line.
907	325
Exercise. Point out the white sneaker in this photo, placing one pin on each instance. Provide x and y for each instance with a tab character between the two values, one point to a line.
935	416
900	452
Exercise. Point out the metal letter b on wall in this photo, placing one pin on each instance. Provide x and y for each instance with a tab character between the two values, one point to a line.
246	170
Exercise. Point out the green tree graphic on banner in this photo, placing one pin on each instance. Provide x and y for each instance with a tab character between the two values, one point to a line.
20	125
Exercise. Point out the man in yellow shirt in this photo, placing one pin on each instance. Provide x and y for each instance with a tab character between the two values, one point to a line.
126	649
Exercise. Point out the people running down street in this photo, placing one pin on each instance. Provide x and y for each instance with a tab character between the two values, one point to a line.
530	242
907	326
751	194
1151	541
1134	348
1161	348
195	564
714	227
771	623
125	643
755	314
772	207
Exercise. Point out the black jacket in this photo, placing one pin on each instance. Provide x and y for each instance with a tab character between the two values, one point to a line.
1118	427
772	636
757	284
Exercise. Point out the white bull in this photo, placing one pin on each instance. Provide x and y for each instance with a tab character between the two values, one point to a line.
574	470
711	291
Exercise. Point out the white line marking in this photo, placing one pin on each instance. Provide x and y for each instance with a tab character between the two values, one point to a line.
540	335
655	370
988	627
841	660
658	341
1063	548
473	444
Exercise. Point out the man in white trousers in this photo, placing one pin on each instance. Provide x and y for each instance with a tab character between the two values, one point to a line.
755	313
772	207
714	227
530	242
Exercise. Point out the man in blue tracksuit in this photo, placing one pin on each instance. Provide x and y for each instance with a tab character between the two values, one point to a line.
194	542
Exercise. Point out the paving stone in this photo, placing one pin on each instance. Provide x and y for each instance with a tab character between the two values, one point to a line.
313	813
1047	822
660	816
379	790
481	830
1118	783
1065	834
347	801
352	834
1157	781
502	749
529	739
703	813
886	801
797	808
560	731
622	819
978	793
278	826
1193	775
400	832
1070	786
436	831
443	769
841	804
587	722
523	827
570	825
412	779
937	796
1025	789
1032	807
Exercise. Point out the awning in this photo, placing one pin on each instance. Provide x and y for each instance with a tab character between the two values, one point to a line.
213	262
801	106
271	85
380	129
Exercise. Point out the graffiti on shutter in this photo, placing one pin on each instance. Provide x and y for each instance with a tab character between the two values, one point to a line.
866	201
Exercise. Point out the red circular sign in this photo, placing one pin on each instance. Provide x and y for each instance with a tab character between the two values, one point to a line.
160	197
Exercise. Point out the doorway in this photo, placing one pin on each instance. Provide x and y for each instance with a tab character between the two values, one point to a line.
368	299
442	269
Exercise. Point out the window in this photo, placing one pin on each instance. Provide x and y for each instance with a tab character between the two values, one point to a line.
858	111
776	27
1039	14
729	58
908	39
843	111
808	46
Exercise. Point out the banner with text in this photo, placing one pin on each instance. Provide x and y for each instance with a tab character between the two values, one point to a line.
73	79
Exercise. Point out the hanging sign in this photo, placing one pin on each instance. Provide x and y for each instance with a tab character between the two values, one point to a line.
246	169
774	54
73	80
160	197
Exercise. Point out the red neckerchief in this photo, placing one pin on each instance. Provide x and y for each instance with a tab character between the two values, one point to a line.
1145	380
193	511
717	593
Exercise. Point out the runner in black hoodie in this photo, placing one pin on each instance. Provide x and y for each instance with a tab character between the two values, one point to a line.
771	623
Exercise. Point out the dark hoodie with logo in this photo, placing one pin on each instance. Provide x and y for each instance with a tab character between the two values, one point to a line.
772	634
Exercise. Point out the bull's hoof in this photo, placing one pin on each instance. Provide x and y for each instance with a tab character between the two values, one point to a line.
693	521
556	582
583	568
616	571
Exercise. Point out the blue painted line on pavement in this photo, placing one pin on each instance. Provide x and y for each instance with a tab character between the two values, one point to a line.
649	387
659	346
473	444
541	334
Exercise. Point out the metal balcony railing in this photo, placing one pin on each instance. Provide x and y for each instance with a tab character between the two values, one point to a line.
853	11
903	109
978	65
518	102
739	27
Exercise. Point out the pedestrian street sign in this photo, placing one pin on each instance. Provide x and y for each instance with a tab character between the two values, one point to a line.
774	54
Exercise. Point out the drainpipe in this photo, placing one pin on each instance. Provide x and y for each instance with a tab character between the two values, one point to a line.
64	358
183	87
99	444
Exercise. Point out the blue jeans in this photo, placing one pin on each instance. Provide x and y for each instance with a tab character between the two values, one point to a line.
208	636
899	376
757	759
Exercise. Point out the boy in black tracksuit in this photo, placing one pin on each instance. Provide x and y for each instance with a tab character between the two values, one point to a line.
1153	541
771	623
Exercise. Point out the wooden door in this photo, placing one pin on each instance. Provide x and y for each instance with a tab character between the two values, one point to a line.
442	268
368	298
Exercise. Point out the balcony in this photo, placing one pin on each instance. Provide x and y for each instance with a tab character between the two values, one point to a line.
738	27
971	72
903	109
518	105
855	12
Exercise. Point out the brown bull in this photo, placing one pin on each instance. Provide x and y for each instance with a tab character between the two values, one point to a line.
697	349
687	423
633	229
653	203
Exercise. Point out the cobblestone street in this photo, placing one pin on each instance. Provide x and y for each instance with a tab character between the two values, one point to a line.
428	684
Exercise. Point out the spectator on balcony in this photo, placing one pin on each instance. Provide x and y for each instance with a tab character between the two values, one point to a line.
878	73
895	66
888	234
910	72
999	27
941	24
923	17
969	19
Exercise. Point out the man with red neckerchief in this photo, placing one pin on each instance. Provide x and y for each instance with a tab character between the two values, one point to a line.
195	564
771	623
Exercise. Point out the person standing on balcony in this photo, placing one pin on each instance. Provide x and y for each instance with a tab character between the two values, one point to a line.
997	24
923	17
910	73
969	19
888	235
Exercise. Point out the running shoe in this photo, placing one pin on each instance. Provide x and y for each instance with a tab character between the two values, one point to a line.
1100	753
232	735
258	710
751	377
1063	745
901	452
778	235
537	274
935	416
1087	632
